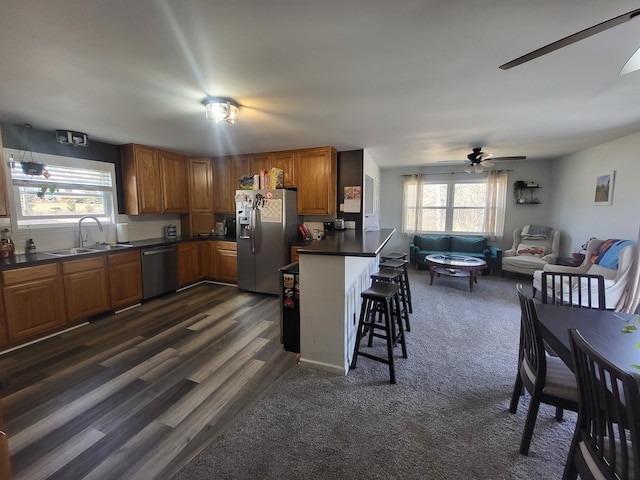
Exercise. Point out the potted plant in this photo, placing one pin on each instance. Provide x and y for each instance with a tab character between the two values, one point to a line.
45	188
32	168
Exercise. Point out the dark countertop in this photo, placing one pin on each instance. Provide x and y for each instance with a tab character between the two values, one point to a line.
41	258
350	243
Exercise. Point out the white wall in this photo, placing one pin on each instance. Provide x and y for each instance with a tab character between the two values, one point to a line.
574	176
516	215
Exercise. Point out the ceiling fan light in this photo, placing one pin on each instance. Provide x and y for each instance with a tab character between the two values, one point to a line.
632	64
479	168
469	169
488	163
221	109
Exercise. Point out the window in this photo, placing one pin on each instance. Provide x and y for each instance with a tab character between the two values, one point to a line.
445	207
73	188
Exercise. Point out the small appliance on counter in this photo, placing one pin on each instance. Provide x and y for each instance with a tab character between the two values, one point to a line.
339	224
170	231
329	228
230	228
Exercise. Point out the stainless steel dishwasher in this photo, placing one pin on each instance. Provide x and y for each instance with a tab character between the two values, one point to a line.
159	270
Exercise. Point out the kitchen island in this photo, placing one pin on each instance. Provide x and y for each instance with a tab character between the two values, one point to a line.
333	274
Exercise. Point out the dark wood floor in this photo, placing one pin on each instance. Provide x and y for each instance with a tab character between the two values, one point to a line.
138	394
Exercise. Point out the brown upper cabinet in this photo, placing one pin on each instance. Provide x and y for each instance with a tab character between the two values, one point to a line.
200	185
283	160
316	178
227	172
174	175
154	181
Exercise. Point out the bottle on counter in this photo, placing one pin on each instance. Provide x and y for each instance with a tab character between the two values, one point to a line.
7	248
30	249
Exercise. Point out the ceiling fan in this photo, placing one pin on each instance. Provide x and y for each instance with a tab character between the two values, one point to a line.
480	159
632	64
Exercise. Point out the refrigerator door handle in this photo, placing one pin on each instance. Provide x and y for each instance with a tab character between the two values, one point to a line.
252	229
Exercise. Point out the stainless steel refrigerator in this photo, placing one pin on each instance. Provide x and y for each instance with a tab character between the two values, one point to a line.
266	224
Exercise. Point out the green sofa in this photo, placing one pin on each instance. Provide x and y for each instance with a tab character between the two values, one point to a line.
424	245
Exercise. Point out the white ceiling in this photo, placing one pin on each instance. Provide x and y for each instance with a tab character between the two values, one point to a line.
412	81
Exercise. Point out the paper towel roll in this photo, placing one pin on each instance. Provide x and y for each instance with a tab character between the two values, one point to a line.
122	231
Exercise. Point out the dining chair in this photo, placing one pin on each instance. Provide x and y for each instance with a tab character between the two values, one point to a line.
606	443
579	290
547	379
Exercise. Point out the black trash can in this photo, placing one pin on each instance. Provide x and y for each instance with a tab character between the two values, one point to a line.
290	307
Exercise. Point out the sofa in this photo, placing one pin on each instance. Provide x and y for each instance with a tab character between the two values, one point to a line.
424	245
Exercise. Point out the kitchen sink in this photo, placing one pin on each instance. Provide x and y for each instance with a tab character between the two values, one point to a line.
66	252
71	251
113	246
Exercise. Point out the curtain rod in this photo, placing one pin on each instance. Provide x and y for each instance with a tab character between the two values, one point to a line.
453	173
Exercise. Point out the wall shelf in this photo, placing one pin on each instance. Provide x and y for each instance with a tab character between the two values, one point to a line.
524	194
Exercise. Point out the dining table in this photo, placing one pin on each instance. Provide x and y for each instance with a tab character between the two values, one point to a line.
615	335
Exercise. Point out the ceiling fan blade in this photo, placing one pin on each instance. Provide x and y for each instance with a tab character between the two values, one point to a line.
517	157
632	64
576	37
487	163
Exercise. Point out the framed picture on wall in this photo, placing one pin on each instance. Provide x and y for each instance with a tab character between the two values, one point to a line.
603	194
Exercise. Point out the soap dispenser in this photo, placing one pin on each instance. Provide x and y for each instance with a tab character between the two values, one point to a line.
31	247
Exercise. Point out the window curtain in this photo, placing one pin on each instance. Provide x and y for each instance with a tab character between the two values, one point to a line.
412	196
495	208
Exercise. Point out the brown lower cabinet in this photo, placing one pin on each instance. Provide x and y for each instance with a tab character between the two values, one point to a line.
85	287
125	279
34	300
226	261
190	268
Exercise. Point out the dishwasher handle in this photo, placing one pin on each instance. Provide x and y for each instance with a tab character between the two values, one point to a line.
158	250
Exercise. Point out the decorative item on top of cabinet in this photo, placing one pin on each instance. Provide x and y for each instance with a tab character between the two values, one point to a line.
125	279
86	289
34	301
154	181
316	178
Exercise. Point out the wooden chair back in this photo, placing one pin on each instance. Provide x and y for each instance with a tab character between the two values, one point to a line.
580	290
608	428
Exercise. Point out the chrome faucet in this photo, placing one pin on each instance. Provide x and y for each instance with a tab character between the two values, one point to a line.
81	238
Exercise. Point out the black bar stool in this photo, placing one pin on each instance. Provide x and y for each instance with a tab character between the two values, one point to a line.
401	265
382	299
392	275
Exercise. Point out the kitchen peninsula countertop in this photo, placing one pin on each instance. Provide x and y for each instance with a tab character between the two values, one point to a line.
352	243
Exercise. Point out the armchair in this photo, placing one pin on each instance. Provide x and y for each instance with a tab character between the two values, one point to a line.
533	247
601	255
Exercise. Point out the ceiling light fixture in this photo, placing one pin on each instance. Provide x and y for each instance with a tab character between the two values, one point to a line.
222	109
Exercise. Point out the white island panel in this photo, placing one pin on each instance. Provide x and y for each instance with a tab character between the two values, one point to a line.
330	288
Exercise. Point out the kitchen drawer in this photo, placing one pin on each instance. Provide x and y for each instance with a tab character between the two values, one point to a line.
122	258
21	275
83	265
222	245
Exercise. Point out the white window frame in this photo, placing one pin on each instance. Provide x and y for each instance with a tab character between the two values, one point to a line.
21	223
448	207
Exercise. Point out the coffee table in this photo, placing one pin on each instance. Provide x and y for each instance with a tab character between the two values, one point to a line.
456	266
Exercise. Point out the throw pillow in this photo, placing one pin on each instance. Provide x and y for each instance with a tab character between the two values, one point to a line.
533	250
